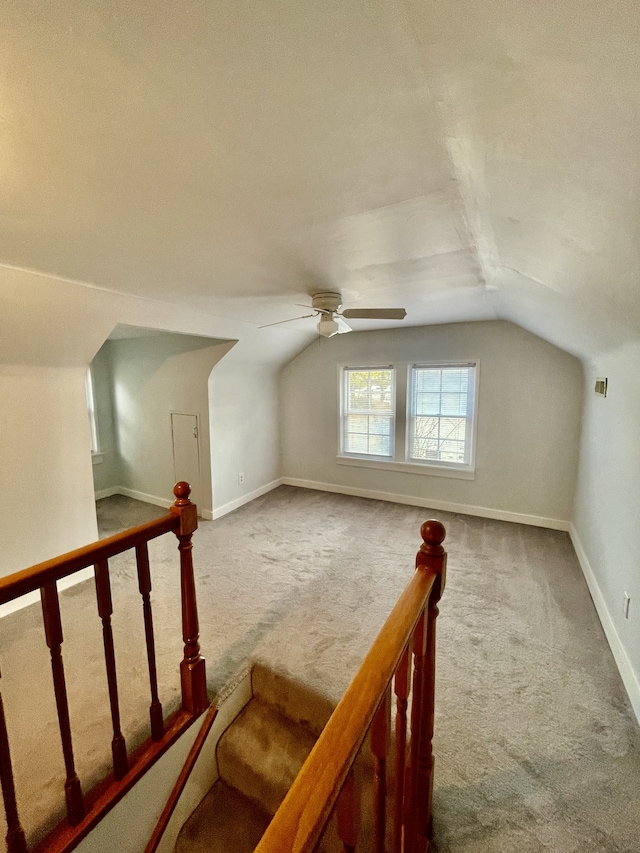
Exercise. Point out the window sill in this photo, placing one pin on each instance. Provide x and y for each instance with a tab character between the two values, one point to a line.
408	467
97	458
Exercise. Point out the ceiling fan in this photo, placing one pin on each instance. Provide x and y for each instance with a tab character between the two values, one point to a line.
327	304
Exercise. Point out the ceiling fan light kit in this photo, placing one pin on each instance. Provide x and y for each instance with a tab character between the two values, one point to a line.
327	327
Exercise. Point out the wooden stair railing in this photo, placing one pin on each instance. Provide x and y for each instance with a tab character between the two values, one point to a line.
326	783
84	812
208	720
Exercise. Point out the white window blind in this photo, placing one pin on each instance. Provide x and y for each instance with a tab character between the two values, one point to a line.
441	413
368	411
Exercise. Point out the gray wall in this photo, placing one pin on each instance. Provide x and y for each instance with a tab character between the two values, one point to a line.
244	429
153	377
50	331
106	467
529	408
607	506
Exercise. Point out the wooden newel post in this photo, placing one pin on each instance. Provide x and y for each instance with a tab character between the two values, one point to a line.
193	677
430	556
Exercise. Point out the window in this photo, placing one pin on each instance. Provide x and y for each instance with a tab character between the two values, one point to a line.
441	413
418	418
368	411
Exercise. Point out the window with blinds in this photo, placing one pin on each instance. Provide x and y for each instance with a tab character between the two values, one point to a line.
441	413
368	411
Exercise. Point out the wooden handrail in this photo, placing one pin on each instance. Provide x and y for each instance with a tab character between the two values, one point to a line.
183	778
28	580
299	821
83	811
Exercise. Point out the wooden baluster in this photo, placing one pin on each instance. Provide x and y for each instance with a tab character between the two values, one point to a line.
379	743
431	556
16	842
54	638
192	667
105	611
144	585
347	814
401	689
412	801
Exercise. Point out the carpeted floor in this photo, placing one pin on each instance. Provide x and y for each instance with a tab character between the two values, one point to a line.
537	748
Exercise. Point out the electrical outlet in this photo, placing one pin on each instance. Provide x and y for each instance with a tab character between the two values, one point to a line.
240	479
625	606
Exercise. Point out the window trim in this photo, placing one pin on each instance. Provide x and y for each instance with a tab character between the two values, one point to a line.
400	461
342	395
470	418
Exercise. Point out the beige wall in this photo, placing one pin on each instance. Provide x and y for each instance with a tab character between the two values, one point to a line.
46	488
528	411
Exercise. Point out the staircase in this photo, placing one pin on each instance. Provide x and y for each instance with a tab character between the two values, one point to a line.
370	776
258	758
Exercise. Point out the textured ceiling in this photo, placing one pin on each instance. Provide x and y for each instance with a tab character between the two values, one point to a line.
466	160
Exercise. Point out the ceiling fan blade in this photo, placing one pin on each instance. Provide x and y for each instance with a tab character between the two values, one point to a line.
343	327
375	313
290	320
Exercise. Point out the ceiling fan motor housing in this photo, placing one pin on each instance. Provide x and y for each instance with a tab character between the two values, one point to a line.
328	300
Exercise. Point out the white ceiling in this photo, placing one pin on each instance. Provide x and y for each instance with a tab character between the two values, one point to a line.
465	160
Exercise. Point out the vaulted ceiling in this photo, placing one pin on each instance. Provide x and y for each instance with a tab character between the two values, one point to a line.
467	160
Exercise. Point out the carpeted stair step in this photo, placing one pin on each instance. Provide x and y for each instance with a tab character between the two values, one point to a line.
261	754
225	822
294	700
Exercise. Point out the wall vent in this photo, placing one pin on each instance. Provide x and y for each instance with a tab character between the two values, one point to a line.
601	386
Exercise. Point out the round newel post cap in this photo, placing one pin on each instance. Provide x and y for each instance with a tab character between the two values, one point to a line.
182	490
433	534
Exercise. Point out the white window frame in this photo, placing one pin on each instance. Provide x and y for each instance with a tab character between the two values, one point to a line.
342	390
400	460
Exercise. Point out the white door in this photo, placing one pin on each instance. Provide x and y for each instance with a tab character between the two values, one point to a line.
186	453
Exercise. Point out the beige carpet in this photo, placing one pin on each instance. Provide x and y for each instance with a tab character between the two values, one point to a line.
536	745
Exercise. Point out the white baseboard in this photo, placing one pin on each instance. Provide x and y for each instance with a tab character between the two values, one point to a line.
107	493
464	509
627	672
143	496
219	511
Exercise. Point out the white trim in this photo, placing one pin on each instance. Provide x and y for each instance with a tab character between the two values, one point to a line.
401	419
97	458
143	496
464	509
424	468
219	511
627	673
107	493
